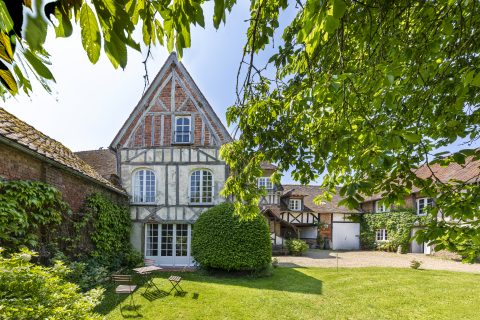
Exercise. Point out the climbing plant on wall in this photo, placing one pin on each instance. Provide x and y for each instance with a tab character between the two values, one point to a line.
398	225
27	210
111	231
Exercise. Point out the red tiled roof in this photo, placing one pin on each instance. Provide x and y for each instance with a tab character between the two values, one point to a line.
468	172
27	136
310	192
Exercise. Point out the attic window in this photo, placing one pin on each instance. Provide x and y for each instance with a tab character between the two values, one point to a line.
182	129
295	204
265	182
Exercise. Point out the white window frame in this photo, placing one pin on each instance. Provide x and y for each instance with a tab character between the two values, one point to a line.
183	134
381	235
426	202
139	195
380	207
295	204
265	182
201	187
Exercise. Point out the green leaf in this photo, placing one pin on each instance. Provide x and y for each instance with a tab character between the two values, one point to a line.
90	33
339	7
35	32
38	65
159	31
476	80
411	137
6	51
6	22
64	28
23	82
331	24
7	79
219	11
116	51
199	18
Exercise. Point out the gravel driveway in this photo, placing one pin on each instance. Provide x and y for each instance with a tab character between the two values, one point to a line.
352	259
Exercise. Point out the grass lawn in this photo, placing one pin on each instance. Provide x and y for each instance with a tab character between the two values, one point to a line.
312	293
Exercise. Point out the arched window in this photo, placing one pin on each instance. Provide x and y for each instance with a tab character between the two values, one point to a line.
201	187
144	186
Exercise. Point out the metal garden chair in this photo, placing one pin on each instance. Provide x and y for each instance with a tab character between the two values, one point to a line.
124	286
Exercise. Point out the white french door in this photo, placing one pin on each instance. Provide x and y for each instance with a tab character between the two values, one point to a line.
168	244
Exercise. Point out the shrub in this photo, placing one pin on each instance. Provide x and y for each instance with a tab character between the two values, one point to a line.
29	291
296	247
87	274
221	240
415	264
275	262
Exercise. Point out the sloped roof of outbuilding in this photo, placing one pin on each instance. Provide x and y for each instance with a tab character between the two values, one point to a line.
309	193
19	132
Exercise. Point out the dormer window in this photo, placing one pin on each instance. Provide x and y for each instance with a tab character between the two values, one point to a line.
183	129
380	207
422	204
295	204
265	182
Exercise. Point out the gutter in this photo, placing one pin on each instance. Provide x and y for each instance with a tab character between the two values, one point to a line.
54	163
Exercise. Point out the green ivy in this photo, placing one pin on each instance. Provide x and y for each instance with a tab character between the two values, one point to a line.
398	225
27	210
111	231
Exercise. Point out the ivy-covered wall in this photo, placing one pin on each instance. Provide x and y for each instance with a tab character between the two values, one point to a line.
34	215
398	225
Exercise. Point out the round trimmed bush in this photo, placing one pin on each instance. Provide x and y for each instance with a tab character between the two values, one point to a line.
221	240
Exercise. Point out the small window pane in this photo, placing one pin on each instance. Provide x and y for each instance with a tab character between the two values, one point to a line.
295	204
152	240
265	182
167	240
181	240
201	187
144	186
182	130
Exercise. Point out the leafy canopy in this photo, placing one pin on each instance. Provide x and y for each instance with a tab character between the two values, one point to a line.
364	92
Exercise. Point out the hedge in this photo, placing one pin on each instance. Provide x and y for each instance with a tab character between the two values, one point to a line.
221	240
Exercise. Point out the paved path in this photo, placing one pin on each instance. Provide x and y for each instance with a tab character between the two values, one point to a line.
352	259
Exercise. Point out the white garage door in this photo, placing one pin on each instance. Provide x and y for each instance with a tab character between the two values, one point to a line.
346	236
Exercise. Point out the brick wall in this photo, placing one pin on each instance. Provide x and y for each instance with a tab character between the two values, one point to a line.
18	165
146	128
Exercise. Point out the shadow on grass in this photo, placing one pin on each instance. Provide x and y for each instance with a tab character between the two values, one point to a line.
152	295
282	279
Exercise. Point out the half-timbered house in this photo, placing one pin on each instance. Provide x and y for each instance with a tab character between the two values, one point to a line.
168	161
